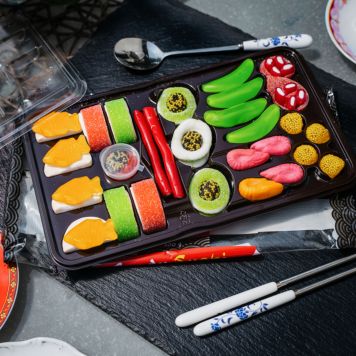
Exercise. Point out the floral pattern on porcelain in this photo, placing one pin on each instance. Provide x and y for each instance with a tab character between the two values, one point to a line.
238	314
280	41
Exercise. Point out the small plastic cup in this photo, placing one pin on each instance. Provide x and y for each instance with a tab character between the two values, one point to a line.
120	161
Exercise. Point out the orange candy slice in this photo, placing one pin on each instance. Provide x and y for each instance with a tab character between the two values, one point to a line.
78	190
57	124
67	151
90	233
255	189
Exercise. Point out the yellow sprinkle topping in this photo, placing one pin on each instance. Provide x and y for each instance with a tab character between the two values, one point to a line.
317	133
192	141
305	155
209	190
331	165
176	102
292	123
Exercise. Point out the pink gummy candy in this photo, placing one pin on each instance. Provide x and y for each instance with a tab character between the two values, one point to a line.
287	173
244	158
274	145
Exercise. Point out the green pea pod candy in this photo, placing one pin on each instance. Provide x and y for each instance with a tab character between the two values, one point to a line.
234	96
236	115
257	129
231	80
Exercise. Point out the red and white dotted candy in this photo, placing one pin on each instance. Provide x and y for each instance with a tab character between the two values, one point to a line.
287	93
290	96
278	66
290	88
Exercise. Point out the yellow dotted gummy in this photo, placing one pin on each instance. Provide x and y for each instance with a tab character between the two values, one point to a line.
292	123
317	133
331	165
305	155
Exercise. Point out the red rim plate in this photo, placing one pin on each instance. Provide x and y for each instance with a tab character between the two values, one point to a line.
332	14
9	281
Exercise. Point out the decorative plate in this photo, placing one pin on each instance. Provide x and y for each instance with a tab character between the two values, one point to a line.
340	19
9	281
39	346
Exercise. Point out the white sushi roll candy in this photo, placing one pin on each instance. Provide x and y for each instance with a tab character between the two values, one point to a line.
191	142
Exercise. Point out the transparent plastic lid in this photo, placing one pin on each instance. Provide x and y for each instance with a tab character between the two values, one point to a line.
34	80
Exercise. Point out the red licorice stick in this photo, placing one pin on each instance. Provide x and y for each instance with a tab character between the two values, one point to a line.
147	139
167	155
185	255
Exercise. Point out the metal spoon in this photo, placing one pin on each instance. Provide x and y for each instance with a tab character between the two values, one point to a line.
140	54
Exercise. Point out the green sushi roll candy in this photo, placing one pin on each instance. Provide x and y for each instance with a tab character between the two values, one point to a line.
120	121
209	191
121	212
176	104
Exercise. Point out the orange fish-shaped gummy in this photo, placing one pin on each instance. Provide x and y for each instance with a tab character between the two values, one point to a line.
67	151
90	233
57	124
255	189
78	190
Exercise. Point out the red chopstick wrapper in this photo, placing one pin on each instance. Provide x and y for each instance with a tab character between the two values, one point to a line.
185	255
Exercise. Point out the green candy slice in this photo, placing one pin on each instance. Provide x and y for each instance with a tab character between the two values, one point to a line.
176	104
120	121
234	96
119	205
231	80
236	115
257	129
209	191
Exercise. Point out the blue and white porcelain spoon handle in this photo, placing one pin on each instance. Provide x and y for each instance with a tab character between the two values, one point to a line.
292	41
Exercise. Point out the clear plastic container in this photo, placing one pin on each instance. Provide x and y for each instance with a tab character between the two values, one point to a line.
120	161
34	80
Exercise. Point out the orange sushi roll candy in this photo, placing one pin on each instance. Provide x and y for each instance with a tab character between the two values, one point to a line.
94	127
148	205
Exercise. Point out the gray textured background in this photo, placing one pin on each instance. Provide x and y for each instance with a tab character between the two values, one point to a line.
77	321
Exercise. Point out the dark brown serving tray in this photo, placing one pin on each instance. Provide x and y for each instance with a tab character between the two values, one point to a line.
182	220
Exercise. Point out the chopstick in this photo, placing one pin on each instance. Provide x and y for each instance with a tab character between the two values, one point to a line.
246	312
185	255
207	311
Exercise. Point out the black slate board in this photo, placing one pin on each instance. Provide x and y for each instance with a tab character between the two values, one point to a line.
148	299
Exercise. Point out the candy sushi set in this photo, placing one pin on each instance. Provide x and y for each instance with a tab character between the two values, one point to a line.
134	168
